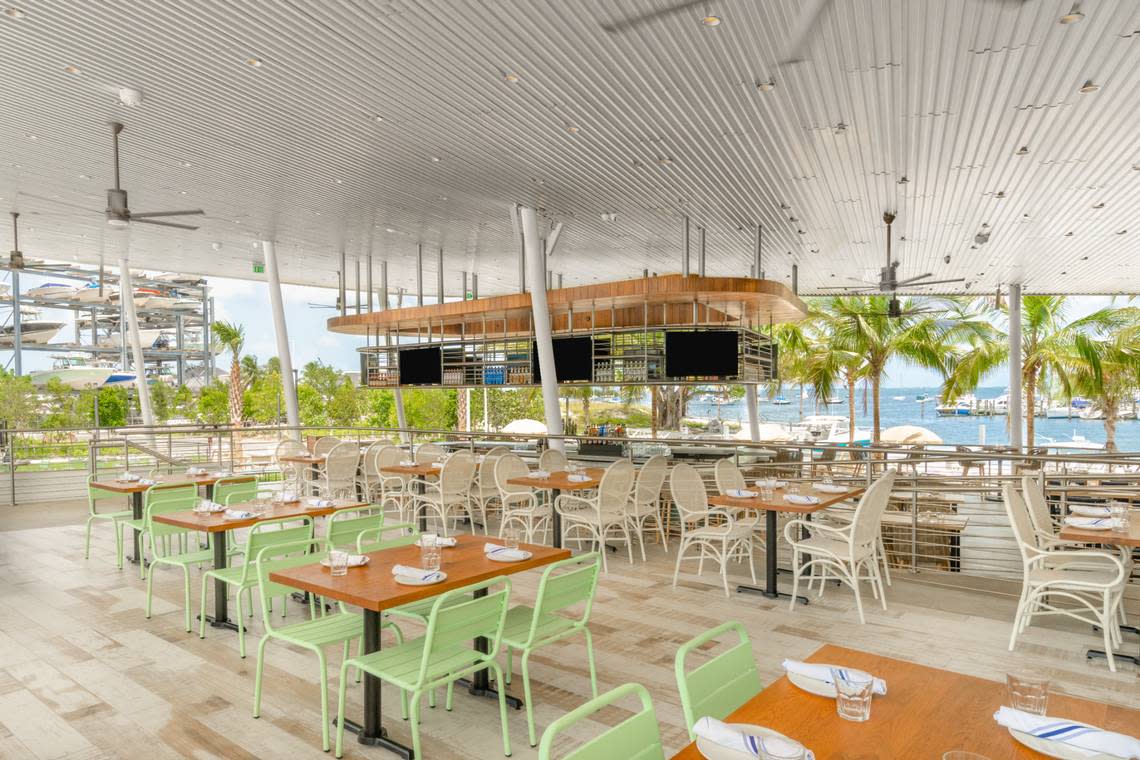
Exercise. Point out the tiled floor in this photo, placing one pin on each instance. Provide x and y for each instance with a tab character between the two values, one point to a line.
83	674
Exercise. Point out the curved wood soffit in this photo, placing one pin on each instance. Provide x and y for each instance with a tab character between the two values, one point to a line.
665	301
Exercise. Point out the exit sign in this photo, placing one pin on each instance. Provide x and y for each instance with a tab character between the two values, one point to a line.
258	268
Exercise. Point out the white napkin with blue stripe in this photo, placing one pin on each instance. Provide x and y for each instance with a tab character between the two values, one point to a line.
823	673
804	500
315	502
237	514
1085	510
418	573
504	552
1086	740
720	733
740	493
1091	523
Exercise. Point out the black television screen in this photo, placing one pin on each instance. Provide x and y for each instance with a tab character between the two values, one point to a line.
701	353
573	359
421	366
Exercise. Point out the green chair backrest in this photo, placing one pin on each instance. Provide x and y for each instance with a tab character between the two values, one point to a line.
719	686
459	616
635	738
400	534
281	557
345	525
180	492
98	494
235	489
565	584
160	499
267	533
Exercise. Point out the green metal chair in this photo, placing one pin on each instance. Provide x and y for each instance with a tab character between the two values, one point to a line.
564	584
315	634
399	534
635	738
442	655
345	526
95	495
172	545
235	489
183	493
243	577
720	685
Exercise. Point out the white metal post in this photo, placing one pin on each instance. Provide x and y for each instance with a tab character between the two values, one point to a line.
752	402
284	355
126	297
542	337
17	355
1016	416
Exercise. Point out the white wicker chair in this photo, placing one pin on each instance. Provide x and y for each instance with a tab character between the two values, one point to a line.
392	488
447	496
338	476
553	460
729	477
484	490
1092	579
595	517
427	453
645	502
295	476
712	530
520	503
849	553
369	475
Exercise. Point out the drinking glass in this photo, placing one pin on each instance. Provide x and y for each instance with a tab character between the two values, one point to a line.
511	538
793	487
852	694
1118	512
1027	693
338	562
827	479
776	748
429	539
430	557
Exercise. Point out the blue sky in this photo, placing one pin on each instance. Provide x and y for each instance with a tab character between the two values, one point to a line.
247	303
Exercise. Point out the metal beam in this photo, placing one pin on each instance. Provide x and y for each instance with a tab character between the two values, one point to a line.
757	259
369	282
701	251
384	285
1016	414
439	278
685	247
126	297
17	353
419	274
528	218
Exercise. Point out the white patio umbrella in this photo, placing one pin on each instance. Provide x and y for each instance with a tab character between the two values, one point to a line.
525	427
912	434
769	432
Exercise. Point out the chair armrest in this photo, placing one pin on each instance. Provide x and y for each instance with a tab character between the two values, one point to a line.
572	503
813	527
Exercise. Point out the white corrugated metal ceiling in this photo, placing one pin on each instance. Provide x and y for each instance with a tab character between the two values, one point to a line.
915	106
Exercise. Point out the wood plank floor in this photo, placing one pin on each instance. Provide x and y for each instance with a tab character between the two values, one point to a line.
83	674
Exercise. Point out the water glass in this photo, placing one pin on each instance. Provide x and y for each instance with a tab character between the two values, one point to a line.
1119	513
792	488
338	562
430	557
777	748
852	694
511	539
827	479
429	539
1027	693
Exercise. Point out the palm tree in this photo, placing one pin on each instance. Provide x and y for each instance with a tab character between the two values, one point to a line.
862	326
230	336
1107	369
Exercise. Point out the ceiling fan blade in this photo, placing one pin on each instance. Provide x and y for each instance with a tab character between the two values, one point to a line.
163	224
188	212
645	18
797	47
849	288
913	280
938	282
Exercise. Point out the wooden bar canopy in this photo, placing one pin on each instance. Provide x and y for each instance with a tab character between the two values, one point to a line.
664	301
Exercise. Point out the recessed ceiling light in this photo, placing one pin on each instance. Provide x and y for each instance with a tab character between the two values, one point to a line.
30	136
237	221
999	194
254	62
435	159
511	77
711	20
573	129
72	69
664	160
84	176
186	164
389	229
13	13
378	118
339	181
1023	150
1073	16
130	97
1089	86
182	192
766	86
1084	258
840	128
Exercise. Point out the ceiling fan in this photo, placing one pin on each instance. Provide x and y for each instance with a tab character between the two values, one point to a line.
119	213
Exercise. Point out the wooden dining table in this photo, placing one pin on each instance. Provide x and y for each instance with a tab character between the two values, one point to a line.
135	491
1129	539
771	507
374	589
218	527
556	482
925	712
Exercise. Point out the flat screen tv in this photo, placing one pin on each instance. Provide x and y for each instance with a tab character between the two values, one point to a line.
421	366
573	359
701	353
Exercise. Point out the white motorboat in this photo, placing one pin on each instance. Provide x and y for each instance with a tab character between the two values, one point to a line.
1077	442
1091	413
74	371
90	293
150	338
182	303
4	288
963	407
121	379
52	290
1058	412
178	278
36	331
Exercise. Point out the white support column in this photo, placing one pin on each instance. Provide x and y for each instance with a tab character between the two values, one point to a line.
1016	416
126	297
753	405
284	355
542	338
467	409
486	413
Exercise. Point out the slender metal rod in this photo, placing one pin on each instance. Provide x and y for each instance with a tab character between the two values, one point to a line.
342	297
685	247
757	255
439	278
795	279
1016	417
701	251
384	285
357	283
474	284
17	348
369	282
420	274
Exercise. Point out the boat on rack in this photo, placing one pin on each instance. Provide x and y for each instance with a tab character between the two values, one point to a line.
36	331
51	290
90	293
73	370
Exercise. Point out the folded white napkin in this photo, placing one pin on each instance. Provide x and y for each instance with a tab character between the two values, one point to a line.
357	560
288	496
437	465
209	506
237	514
1087	511
441	541
539	474
315	502
147	481
195	471
1091	523
129	476
830	488
407	463
740	493
720	733
414	572
502	551
802	499
578	478
823	673
775	483
1085	739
